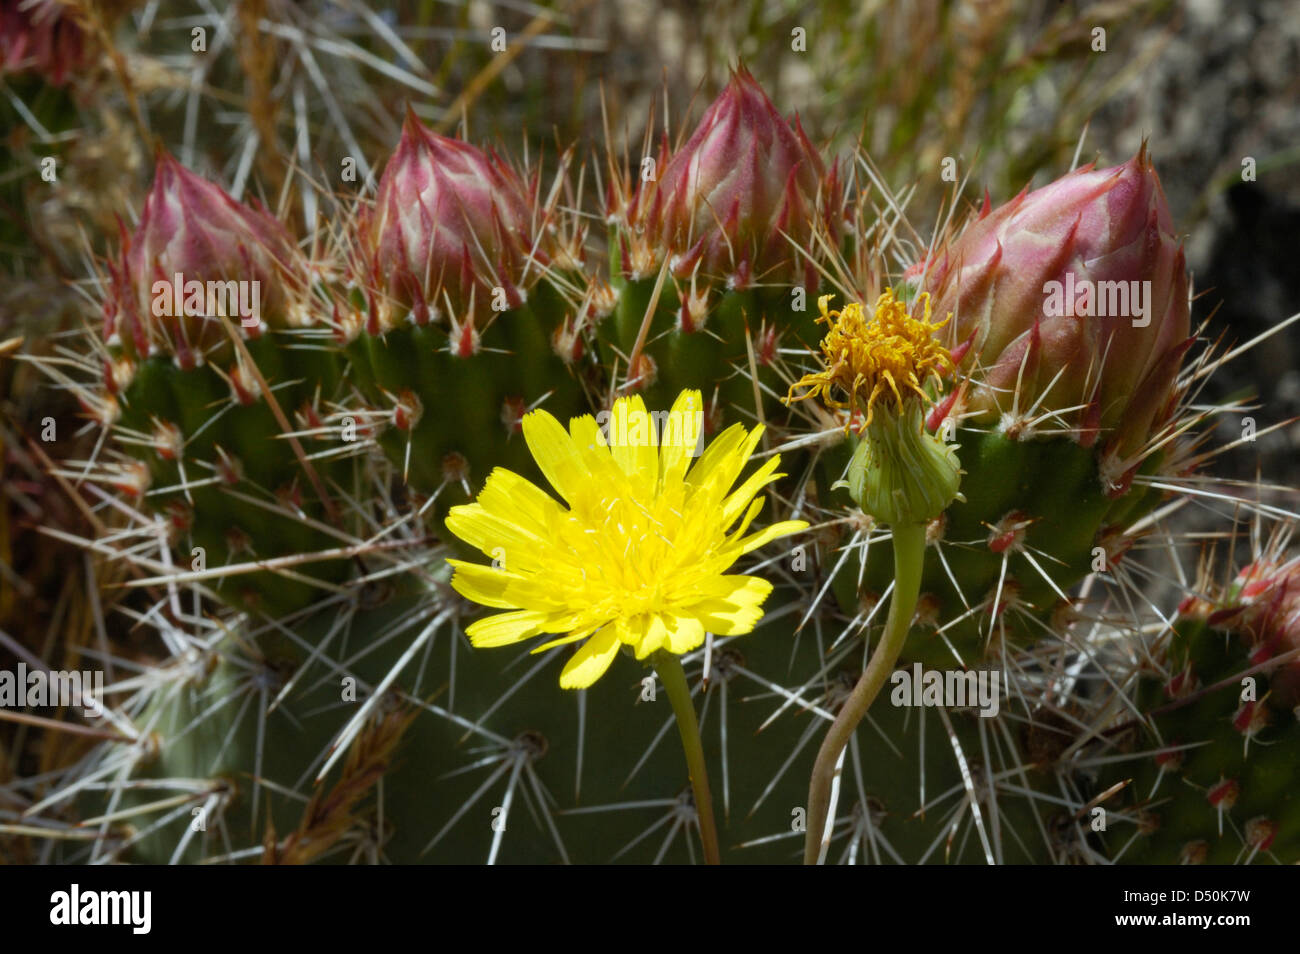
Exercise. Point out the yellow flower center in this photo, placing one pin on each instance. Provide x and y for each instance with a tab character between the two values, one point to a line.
882	361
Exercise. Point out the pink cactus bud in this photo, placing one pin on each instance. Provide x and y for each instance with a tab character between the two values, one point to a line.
452	228
197	254
1076	291
43	37
1263	607
744	190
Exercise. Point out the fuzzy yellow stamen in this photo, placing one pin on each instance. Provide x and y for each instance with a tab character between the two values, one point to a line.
885	360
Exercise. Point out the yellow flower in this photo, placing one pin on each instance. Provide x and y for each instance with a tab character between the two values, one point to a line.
884	359
638	558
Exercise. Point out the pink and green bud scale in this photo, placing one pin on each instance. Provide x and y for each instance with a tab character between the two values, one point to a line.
452	303
43	37
196	254
450	235
738	201
1074	298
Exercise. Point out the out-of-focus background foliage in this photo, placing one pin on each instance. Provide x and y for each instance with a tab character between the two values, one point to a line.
1016	91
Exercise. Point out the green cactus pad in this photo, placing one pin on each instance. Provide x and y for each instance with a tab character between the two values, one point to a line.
714	358
1195	747
198	404
469	406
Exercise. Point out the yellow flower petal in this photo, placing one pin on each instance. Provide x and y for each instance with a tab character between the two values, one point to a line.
510	496
739	500
555	453
731	605
768	534
482	584
686	420
720	449
713	476
506	628
653	638
490	532
567	638
590	662
685	633
634	439
594	456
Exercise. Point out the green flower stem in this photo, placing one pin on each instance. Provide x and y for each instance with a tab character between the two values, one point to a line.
670	672
909	556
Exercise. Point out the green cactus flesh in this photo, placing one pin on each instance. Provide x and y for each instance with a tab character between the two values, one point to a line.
469	406
916	805
198	404
714	358
1206	782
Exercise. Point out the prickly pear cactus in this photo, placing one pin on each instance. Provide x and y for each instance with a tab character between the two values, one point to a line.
713	258
460	319
311	680
1207	768
218	389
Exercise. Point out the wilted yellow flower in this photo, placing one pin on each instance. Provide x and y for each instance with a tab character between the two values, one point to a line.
883	359
638	558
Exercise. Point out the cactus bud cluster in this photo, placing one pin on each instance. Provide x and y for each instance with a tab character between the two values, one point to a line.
394	401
